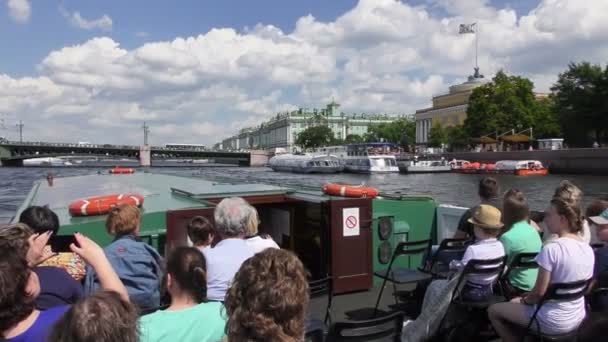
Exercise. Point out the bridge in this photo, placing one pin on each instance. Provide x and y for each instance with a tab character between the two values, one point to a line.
13	153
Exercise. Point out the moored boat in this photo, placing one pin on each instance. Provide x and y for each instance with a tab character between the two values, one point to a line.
425	166
522	167
306	163
365	157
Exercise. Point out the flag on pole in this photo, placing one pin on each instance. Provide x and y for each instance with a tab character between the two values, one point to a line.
467	28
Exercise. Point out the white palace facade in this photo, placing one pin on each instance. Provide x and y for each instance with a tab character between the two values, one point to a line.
282	130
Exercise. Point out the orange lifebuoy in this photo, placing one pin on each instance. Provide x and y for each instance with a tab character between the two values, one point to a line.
102	204
350	191
121	170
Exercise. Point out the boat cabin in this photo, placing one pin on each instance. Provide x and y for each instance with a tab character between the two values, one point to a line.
512	165
344	237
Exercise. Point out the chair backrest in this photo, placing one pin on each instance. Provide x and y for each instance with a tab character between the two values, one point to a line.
453	244
411	248
382	328
321	287
482	267
521	261
561	292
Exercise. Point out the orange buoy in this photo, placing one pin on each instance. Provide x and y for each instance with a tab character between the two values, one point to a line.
122	170
350	191
103	204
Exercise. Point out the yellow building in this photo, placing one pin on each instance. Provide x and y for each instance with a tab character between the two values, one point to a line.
448	109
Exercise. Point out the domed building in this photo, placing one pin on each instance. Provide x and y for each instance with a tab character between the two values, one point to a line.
448	109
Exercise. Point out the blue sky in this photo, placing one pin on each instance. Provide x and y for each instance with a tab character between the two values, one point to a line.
198	71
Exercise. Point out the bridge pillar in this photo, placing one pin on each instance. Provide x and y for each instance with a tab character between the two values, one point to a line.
144	155
12	162
258	158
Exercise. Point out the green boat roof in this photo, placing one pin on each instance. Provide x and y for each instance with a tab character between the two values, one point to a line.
161	193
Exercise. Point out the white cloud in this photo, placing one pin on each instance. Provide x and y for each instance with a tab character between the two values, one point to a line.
20	10
382	56
103	23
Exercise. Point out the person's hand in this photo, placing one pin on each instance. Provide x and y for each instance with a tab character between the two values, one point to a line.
88	250
37	253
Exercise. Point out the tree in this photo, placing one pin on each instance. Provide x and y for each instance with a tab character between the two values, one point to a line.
457	136
508	103
353	139
401	131
581	101
438	136
315	136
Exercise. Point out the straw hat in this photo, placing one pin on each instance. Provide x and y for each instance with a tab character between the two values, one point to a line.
486	216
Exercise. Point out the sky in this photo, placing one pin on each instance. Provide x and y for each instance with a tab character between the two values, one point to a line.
198	71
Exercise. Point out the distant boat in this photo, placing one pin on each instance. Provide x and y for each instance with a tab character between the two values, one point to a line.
425	166
45	161
365	157
306	163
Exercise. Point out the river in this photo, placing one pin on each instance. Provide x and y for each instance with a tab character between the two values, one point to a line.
447	188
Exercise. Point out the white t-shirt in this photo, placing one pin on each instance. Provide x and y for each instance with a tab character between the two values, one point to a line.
258	244
483	250
568	260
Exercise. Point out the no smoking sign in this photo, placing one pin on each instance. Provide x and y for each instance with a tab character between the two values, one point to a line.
350	222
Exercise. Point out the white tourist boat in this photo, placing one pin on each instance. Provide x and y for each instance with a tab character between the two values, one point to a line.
305	163
365	157
46	161
425	166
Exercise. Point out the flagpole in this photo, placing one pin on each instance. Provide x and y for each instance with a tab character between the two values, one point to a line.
476	45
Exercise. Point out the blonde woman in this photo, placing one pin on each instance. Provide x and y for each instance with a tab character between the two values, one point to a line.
254	240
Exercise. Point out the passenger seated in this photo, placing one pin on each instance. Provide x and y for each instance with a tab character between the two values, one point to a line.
600	273
572	194
223	260
189	317
137	264
268	299
488	191
566	259
19	320
57	288
101	317
520	237
201	232
255	241
42	220
487	226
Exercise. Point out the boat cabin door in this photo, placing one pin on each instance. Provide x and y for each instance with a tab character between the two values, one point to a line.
351	244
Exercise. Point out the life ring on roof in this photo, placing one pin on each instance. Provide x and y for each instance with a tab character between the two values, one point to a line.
350	191
103	204
122	170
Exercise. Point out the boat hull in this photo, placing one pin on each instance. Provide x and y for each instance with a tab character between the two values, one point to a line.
325	170
425	169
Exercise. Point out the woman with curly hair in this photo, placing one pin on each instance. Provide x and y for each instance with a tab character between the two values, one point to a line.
102	317
268	299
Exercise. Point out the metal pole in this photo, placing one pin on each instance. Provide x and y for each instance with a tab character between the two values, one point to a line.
476	44
20	125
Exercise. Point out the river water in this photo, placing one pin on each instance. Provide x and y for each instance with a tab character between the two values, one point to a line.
446	188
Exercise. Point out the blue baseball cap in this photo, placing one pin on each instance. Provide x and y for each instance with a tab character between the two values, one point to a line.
602	219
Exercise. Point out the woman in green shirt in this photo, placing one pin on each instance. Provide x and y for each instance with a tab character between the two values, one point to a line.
520	237
189	317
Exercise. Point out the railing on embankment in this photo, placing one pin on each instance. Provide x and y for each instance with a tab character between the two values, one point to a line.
579	160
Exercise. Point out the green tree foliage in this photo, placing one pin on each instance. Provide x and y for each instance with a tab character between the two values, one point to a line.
457	136
581	101
315	136
505	104
353	139
438	136
401	131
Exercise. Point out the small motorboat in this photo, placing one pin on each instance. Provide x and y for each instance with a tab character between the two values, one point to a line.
122	170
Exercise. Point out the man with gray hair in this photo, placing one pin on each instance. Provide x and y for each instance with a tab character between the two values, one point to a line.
224	260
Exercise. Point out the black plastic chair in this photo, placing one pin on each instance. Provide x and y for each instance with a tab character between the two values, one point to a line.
558	292
403	275
477	267
436	265
521	261
385	328
319	288
598	297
